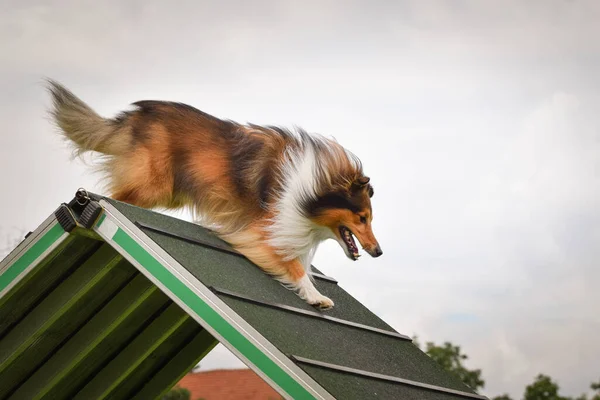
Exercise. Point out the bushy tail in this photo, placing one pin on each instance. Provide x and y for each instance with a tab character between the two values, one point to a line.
83	126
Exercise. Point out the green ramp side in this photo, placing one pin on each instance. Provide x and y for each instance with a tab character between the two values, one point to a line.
105	300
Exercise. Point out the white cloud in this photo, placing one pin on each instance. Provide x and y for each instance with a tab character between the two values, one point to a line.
535	222
476	122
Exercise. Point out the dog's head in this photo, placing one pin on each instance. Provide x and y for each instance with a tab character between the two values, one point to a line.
347	213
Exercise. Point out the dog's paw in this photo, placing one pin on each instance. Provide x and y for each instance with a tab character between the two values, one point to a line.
323	303
309	293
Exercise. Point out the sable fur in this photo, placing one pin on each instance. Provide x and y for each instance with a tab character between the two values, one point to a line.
272	193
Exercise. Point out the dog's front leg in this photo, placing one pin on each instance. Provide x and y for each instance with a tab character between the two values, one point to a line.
298	280
290	273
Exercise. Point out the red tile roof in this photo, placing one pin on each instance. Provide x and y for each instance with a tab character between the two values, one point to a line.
228	384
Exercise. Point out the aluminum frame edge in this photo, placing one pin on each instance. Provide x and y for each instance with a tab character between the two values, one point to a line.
29	245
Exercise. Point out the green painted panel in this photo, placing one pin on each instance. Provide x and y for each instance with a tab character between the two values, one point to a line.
175	369
129	358
63	321
56	304
109	347
21	299
72	354
153	362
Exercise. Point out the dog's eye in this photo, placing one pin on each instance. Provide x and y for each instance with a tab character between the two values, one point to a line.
363	220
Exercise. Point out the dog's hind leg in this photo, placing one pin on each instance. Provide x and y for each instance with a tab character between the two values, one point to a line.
142	178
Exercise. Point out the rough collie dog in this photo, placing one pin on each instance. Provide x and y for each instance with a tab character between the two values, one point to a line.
272	193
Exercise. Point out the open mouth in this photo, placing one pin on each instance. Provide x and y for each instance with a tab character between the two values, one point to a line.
348	239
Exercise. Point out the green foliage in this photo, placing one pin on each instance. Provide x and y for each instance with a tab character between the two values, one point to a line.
543	388
451	359
594	386
177	393
502	397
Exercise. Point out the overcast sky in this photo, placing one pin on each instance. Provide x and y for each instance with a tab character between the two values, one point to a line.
477	121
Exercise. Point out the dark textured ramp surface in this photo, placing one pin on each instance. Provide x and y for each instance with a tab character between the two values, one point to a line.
234	272
344	386
294	333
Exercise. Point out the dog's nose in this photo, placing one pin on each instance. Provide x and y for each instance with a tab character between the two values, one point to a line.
376	252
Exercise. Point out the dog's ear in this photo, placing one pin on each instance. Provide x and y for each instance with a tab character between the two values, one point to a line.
361	183
363	180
